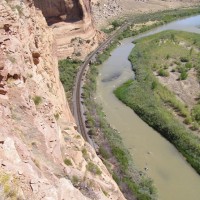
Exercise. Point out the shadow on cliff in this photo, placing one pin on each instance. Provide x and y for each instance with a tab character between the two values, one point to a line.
59	11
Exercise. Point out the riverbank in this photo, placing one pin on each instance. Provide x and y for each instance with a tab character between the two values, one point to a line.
153	102
133	183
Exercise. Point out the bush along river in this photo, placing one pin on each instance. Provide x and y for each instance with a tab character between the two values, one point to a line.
173	176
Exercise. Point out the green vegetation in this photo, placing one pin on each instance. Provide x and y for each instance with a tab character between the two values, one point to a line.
113	26
67	162
104	153
75	180
93	168
85	153
162	72
105	193
183	75
152	101
37	100
116	23
8	187
196	113
68	69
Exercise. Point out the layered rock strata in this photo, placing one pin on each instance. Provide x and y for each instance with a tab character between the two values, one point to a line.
72	26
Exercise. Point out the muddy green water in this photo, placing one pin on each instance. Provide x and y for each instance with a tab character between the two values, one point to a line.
174	178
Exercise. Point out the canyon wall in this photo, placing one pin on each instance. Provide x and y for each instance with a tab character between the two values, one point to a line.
42	156
72	26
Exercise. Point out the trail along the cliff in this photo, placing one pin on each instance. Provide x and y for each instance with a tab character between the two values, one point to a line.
173	176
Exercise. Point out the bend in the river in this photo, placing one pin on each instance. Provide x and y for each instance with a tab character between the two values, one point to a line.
174	178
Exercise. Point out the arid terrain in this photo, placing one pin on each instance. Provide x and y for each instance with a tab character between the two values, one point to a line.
106	10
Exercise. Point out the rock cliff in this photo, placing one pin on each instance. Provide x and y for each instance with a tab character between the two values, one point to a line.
42	156
72	26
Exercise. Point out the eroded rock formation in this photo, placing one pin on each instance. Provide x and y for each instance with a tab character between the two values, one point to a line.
72	25
71	9
41	154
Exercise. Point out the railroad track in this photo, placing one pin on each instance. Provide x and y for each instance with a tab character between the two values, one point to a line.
77	104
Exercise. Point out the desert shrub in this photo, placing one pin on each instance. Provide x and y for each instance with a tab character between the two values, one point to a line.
93	168
183	75
188	65
37	100
162	72
196	112
67	162
104	152
68	69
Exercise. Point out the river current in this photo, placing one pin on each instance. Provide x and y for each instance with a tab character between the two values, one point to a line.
174	178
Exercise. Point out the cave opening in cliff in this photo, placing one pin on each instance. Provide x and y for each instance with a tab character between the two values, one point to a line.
56	11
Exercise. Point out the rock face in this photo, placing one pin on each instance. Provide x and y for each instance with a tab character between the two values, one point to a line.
74	10
41	154
72	26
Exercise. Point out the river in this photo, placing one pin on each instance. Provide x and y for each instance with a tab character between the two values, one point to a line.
174	178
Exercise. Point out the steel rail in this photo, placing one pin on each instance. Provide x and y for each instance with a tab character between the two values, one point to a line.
77	104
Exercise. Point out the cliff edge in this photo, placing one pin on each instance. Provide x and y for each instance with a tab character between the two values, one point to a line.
42	156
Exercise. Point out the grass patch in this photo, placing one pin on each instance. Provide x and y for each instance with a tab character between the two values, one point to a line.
68	69
68	162
75	180
104	153
113	26
93	168
37	100
85	153
9	189
163	72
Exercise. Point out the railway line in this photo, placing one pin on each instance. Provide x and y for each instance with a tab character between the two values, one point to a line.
80	78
